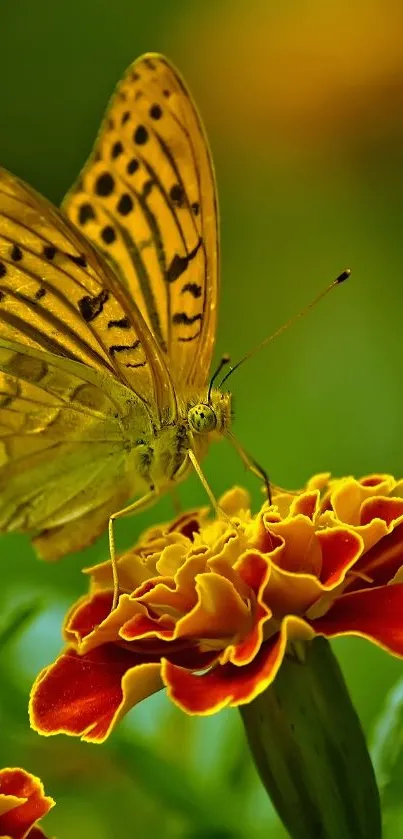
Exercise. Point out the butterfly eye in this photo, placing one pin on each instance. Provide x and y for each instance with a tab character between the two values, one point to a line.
202	418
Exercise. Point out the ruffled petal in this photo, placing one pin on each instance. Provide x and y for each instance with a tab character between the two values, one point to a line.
86	695
22	803
375	614
225	685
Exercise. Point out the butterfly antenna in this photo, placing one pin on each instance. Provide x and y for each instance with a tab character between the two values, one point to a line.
340	279
224	361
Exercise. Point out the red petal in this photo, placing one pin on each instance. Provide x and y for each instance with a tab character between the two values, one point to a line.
387	509
223	685
307	503
227	684
89	614
381	562
245	651
341	549
141	626
376	614
254	570
86	695
19	820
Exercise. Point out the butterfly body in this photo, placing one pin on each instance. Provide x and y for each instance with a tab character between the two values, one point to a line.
107	320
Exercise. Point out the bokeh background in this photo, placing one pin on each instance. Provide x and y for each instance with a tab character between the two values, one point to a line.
303	104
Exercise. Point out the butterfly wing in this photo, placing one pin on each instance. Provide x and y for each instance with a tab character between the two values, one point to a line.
62	449
147	199
59	294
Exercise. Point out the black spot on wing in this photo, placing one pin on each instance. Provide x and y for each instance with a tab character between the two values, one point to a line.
40	292
177	195
139	364
117	348
132	166
140	135
116	150
3	270
78	260
125	204
180	263
16	253
49	252
123	323
104	184
108	235
91	307
85	213
194	289
183	318
190	338
156	112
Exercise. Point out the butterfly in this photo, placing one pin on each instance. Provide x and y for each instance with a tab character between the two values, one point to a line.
108	315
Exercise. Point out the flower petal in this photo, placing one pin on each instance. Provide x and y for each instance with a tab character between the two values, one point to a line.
300	552
22	803
348	495
374	613
254	570
87	695
220	612
307	503
227	684
92	623
341	549
387	509
379	565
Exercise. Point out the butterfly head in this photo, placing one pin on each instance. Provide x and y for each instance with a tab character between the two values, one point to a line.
213	415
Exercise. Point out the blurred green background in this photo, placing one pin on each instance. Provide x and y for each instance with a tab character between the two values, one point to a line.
303	105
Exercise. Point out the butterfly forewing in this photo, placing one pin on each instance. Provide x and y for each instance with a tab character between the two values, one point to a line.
58	294
147	199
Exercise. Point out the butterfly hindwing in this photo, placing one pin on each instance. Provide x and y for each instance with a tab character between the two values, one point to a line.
147	199
62	450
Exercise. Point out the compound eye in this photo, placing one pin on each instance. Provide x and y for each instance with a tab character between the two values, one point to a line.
202	418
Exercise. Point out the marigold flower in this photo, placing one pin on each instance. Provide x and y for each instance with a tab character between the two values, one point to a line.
208	606
22	803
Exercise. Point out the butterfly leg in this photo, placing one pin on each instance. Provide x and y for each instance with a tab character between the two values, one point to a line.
252	465
140	504
196	466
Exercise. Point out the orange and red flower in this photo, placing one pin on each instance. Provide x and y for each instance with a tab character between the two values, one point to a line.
207	607
22	803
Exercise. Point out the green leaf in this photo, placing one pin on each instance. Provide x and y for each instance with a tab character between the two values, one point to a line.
310	751
387	739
